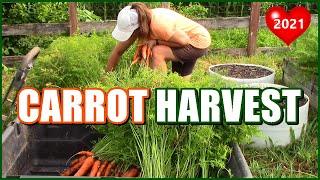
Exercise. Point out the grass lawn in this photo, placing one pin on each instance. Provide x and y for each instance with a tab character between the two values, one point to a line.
298	159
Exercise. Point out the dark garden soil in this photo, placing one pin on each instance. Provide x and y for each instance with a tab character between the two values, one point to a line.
241	71
301	102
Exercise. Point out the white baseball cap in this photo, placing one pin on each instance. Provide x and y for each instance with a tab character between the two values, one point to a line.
127	23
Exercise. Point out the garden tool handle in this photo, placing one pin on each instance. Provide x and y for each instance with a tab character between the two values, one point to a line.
21	74
26	65
28	59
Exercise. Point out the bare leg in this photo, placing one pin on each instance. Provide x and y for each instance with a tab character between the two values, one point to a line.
187	77
160	54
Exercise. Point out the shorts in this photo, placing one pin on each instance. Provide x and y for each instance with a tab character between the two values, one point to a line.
187	57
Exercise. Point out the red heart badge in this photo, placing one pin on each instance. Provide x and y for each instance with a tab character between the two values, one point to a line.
288	26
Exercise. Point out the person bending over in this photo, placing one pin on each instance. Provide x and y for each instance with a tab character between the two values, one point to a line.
169	35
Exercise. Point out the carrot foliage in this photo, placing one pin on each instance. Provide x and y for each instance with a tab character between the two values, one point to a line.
159	150
167	150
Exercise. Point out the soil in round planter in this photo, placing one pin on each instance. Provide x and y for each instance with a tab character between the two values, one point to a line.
302	102
241	71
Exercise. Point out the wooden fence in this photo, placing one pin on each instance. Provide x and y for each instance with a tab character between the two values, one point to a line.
85	27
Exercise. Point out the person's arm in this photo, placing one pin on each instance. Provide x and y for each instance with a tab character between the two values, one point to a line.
178	39
117	52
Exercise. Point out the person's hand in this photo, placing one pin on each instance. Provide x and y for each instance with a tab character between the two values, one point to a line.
151	43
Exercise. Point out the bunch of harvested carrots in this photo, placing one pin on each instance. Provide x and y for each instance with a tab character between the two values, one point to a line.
86	164
142	54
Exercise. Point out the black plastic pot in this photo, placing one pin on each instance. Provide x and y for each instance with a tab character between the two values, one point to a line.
42	150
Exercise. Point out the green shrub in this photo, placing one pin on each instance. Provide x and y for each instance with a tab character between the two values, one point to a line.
311	6
36	12
43	12
15	46
85	15
193	10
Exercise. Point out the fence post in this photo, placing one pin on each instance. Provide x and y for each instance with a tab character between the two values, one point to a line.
73	22
253	28
165	5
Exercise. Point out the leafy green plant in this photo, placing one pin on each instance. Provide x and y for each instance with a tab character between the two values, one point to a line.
44	12
311	6
164	150
85	15
193	10
75	61
15	46
36	12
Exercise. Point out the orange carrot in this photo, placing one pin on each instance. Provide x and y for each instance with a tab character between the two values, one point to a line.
109	168
144	51
81	158
114	171
102	168
118	172
136	60
87	164
132	172
72	169
149	54
95	168
137	55
86	153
